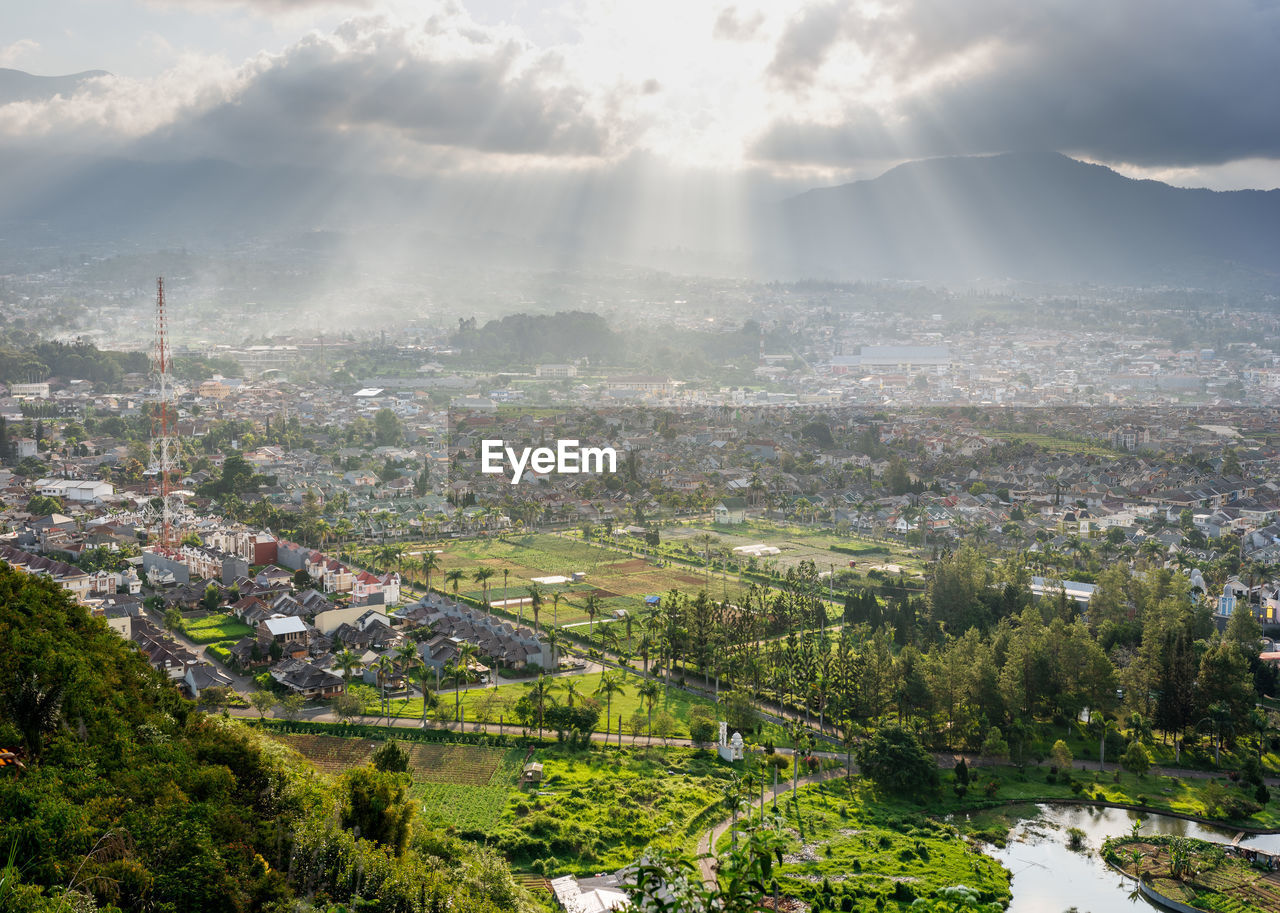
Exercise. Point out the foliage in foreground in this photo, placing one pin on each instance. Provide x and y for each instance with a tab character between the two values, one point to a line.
134	800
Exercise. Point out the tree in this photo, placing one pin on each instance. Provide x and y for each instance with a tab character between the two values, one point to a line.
1061	754
664	726
262	701
895	760
592	608
391	757
649	691
430	564
482	576
387	429
455	576
292	706
609	685
346	705
377	807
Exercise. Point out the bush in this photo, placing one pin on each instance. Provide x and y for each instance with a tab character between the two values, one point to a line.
1062	756
1135	759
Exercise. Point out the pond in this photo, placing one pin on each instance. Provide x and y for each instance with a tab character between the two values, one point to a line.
1050	878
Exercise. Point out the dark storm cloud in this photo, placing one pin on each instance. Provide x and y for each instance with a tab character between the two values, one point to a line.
374	92
1143	81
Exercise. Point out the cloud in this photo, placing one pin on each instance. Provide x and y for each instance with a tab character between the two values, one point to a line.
1145	82
805	43
11	55
733	25
372	94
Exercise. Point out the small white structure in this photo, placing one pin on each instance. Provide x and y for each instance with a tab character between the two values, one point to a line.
730	749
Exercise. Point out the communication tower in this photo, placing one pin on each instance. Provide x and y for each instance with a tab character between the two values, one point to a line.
165	452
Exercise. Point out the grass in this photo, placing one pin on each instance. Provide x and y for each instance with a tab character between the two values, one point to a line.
597	811
844	849
1159	794
215	627
488	704
1050	443
465	787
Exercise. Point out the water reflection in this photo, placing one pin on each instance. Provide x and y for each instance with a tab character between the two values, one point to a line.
1050	878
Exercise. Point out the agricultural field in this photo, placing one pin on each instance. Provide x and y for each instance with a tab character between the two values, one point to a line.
799	543
618	580
842	851
463	786
1196	873
214	628
595	811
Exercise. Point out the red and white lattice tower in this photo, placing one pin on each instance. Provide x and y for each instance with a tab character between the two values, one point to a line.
165	454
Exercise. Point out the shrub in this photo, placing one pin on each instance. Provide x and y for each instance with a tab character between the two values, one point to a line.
1135	759
1062	755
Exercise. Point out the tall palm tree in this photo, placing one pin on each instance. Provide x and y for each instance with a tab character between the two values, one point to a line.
466	658
649	690
455	577
429	698
555	608
386	668
538	690
553	642
592	608
535	604
610	685
481	577
506	572
430	564
455	670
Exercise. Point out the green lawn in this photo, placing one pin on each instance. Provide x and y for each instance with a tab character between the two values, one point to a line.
214	628
596	811
488	704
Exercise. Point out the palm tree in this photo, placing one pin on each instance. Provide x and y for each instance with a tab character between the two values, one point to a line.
455	577
346	661
481	577
734	802
535	604
429	697
592	608
466	657
506	572
609	686
553	642
386	668
570	688
430	564
555	608
649	690
455	670
538	690
706	540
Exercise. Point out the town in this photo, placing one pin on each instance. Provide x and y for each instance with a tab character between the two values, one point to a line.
792	557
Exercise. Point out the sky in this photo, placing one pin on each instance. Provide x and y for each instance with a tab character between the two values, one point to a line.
800	93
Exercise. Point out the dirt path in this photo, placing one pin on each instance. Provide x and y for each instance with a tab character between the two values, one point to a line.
706	846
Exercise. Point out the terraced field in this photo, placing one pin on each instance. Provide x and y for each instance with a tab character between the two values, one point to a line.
462	786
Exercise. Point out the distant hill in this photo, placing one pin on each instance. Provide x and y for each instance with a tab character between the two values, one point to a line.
1034	216
1039	217
15	85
